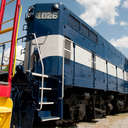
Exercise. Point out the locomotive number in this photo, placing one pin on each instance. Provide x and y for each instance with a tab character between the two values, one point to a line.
47	15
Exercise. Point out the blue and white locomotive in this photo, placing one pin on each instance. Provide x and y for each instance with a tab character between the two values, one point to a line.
75	73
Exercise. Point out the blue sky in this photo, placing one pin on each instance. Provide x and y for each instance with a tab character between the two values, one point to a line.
108	17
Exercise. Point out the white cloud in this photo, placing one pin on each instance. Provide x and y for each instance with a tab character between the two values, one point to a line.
99	10
122	42
125	4
123	23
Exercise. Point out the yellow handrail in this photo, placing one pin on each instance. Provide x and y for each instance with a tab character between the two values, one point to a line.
3	65
5	42
8	21
9	2
6	30
16	41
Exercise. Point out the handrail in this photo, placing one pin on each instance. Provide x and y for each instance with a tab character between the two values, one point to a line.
14	34
8	21
16	59
9	2
42	95
6	30
14	65
2	9
5	42
3	65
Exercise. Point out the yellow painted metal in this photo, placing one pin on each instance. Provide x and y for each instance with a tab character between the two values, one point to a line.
5	42
16	41
6	30
8	21
3	65
9	2
6	106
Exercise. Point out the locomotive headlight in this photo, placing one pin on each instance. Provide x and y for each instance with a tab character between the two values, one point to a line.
31	9
56	6
30	14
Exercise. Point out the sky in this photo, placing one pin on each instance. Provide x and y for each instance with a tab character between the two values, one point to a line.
107	17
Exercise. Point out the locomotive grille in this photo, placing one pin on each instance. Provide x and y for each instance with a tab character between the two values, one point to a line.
67	49
67	44
67	55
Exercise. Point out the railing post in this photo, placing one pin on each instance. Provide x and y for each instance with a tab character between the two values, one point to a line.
2	8
15	26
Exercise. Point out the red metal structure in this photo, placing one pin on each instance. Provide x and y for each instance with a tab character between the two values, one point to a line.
3	4
5	89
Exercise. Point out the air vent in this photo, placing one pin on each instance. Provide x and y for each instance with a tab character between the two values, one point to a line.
67	49
67	44
67	54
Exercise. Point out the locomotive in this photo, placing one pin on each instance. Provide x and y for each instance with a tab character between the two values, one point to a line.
70	72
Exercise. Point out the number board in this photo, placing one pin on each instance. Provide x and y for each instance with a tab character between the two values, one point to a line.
47	15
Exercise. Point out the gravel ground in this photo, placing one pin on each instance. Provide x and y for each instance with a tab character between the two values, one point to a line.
116	121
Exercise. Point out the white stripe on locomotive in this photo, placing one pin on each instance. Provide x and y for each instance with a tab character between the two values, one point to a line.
53	45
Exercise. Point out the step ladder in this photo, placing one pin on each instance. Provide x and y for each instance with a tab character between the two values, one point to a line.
51	96
5	86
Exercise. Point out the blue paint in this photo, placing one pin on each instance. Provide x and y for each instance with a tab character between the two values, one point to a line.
83	75
60	26
76	74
